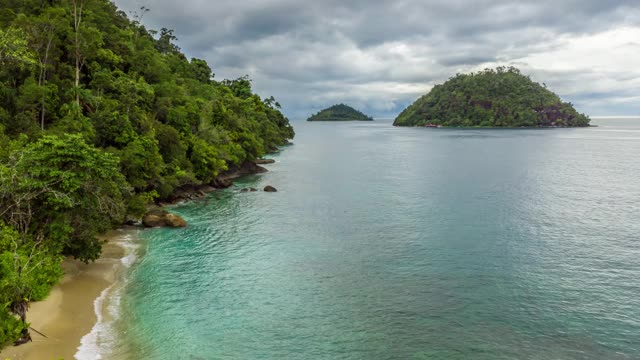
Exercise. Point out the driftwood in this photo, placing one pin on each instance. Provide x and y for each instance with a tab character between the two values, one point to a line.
38	332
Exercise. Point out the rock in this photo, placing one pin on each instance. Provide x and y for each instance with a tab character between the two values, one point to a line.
264	161
190	192
175	221
179	196
243	190
270	188
131	222
152	221
221	183
207	189
157	217
250	168
234	172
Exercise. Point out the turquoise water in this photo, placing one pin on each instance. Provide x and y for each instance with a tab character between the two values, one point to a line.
405	243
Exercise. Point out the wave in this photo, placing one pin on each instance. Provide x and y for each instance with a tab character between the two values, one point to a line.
89	348
102	339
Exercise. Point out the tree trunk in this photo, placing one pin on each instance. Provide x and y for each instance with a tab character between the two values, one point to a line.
77	81
42	79
77	20
24	338
20	308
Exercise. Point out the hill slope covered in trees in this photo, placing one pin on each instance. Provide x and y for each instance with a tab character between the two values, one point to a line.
98	117
491	98
340	112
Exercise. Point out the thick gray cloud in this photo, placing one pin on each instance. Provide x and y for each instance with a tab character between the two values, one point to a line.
380	55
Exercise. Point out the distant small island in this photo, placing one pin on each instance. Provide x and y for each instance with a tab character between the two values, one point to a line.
491	98
340	112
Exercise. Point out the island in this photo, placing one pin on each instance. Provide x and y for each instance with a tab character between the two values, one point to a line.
340	112
503	97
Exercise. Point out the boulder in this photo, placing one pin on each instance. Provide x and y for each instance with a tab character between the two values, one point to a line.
264	161
157	217
270	188
207	189
175	221
152	221
234	172
250	168
249	189
221	183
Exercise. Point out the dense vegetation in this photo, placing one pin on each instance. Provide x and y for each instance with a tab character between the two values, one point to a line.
340	112
501	98
98	117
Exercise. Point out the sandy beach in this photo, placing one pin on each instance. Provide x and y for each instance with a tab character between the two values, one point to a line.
68	313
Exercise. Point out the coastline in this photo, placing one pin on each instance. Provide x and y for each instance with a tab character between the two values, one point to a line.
70	314
77	314
222	181
495	127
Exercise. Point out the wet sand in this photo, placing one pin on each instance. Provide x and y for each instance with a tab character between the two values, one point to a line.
68	313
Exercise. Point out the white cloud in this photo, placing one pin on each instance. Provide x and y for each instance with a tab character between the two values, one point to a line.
380	55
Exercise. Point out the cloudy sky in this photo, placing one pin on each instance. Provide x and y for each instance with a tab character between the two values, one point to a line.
380	55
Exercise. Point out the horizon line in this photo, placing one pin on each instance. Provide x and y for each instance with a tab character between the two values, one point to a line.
615	117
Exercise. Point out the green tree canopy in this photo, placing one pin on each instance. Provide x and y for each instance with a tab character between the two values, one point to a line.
63	192
502	97
98	116
340	112
14	47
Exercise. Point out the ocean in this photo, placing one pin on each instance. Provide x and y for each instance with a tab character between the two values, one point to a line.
400	243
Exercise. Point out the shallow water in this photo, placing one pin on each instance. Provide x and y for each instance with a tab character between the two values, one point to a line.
397	243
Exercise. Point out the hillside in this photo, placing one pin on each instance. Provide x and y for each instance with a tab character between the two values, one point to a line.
98	117
491	98
340	112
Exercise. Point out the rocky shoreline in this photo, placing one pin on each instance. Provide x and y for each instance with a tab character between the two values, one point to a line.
157	216
84	283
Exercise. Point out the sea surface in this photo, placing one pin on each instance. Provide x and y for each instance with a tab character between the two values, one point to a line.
403	243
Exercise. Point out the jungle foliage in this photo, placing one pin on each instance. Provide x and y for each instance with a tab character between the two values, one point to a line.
491	98
340	112
98	116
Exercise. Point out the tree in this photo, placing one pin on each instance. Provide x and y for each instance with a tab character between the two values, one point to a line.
28	271
165	43
503	97
201	71
78	7
86	41
75	74
44	34
14	47
62	192
339	112
241	87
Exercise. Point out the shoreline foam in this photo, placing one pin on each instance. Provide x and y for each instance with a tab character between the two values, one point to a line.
73	316
100	341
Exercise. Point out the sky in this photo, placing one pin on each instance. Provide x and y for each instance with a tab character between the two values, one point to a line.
381	55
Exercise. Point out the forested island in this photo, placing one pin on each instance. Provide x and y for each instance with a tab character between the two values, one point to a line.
491	98
100	116
340	112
